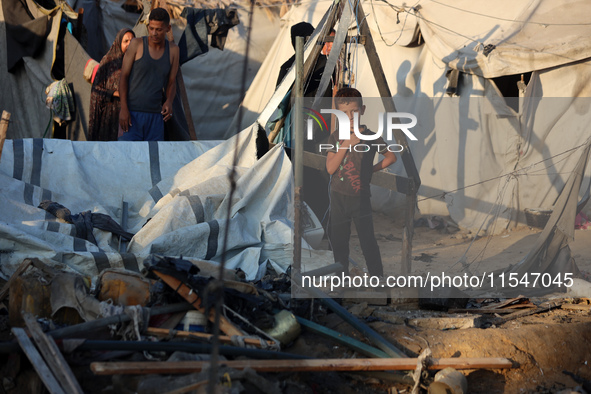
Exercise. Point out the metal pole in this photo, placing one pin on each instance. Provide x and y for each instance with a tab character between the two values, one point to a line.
298	152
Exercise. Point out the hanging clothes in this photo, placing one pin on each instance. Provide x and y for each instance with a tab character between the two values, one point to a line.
60	101
200	24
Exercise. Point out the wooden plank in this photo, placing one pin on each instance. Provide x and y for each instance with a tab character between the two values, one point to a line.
312	365
19	271
577	307
180	82
163	332
52	355
527	312
42	369
510	302
275	131
188	294
481	311
3	129
337	337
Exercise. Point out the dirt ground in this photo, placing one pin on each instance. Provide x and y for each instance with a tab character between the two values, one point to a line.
445	247
547	349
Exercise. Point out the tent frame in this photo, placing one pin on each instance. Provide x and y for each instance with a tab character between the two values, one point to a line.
408	185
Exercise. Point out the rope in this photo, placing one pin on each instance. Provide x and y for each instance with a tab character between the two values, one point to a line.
515	173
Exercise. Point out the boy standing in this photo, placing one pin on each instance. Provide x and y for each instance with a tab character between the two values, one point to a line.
351	171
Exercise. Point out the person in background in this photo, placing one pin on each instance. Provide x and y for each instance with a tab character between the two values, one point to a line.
148	82
103	121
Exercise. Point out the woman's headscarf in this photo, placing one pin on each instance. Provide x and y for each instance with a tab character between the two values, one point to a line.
104	111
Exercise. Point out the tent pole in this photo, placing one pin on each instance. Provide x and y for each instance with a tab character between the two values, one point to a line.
179	76
298	133
407	159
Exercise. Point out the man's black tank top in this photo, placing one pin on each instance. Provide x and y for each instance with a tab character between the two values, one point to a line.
148	80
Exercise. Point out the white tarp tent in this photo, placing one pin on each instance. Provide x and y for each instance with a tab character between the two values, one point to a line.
485	161
178	196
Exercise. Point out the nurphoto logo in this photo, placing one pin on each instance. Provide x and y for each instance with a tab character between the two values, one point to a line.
345	134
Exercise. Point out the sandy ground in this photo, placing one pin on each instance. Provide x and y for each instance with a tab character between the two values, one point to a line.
545	348
446	247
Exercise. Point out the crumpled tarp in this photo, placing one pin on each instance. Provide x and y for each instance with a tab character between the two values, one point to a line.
178	195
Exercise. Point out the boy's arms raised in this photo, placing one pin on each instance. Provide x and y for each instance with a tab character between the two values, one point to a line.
334	159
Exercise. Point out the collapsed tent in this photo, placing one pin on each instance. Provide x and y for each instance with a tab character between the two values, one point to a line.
491	141
177	193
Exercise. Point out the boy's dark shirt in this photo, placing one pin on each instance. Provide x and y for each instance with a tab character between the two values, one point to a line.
354	174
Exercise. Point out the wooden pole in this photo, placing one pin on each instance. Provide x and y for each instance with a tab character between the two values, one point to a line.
179	76
311	365
3	129
406	155
298	153
408	232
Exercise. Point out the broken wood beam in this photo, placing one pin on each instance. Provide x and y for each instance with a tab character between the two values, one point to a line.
52	355
3	129
37	361
526	312
163	332
313	365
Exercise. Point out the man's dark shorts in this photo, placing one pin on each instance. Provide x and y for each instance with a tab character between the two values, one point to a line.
145	126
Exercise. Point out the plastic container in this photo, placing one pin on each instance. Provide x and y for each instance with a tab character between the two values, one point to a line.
193	321
449	381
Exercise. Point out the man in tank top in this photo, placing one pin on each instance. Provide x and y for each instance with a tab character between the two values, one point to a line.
148	82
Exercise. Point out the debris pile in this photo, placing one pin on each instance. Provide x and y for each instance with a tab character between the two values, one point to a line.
141	332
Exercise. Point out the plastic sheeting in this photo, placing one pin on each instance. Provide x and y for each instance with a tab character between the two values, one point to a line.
178	196
481	160
506	37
